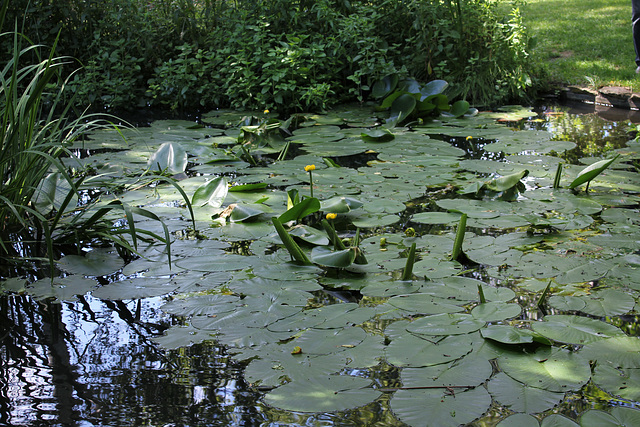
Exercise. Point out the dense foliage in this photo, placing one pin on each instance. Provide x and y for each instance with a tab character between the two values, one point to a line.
287	55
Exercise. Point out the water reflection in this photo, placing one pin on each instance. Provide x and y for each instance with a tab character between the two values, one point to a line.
62	363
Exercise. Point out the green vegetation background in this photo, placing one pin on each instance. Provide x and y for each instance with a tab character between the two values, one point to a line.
584	42
285	55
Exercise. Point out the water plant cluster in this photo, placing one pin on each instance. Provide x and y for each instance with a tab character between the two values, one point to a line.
191	55
353	262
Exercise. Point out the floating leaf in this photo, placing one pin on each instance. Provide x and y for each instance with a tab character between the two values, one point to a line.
322	394
574	329
377	135
446	324
95	263
618	417
549	368
440	407
521	398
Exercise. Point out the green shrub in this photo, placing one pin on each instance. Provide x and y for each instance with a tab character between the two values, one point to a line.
288	55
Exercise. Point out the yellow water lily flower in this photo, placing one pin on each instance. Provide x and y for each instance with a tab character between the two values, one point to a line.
332	216
468	138
309	168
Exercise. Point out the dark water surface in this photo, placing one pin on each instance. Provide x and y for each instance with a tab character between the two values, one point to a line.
92	363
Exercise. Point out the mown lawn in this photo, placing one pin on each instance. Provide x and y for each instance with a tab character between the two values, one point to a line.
584	42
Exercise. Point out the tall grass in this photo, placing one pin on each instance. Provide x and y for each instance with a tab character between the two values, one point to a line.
36	129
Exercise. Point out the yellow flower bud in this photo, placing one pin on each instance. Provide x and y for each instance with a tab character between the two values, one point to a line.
266	111
309	168
332	216
468	138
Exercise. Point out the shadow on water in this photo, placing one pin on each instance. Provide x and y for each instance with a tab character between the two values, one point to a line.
91	362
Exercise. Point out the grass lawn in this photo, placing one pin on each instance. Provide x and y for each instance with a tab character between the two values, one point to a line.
584	42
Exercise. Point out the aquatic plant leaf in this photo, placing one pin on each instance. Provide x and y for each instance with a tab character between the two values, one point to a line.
401	108
170	158
411	351
448	218
445	324
519	420
329	341
298	211
310	235
51	194
468	371
495	311
324	256
418	303
566	303
618	382
375	220
506	182
384	86
132	289
377	135
459	108
608	302
241	188
575	329
549	368
440	407
512	335
434	87
62	288
334	316
619	417
279	366
97	262
224	262
521	398
620	351
182	336
340	204
557	420
243	212
211	193
590	172
14	284
322	394
202	305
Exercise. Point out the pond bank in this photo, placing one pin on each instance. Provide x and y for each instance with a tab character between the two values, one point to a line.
610	102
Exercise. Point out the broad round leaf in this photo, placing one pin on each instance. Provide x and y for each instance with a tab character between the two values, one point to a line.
575	329
439	407
521	398
322	394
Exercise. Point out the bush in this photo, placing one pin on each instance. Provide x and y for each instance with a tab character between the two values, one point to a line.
288	55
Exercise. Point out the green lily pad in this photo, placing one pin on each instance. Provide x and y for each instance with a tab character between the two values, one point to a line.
411	351
96	263
549	368
574	329
495	311
618	417
618	382
519	397
323	394
440	407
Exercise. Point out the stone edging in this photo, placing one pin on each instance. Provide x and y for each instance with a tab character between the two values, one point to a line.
609	96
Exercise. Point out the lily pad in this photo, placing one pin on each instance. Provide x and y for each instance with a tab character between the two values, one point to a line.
521	398
440	407
323	394
575	329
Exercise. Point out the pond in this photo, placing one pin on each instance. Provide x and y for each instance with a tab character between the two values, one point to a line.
534	321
